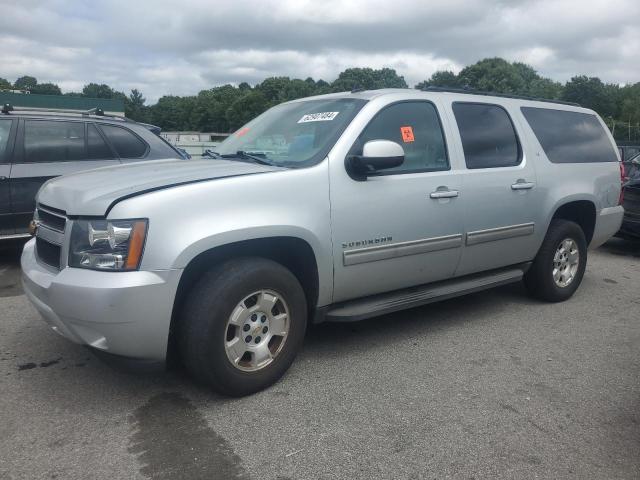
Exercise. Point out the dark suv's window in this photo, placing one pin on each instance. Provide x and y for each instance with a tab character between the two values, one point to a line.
97	149
53	141
5	131
488	137
415	126
126	144
570	137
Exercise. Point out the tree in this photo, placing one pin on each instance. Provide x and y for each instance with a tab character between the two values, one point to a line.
590	92
246	108
134	107
46	89
630	103
95	90
443	78
4	84
25	83
368	79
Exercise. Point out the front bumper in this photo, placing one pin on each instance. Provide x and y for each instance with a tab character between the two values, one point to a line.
122	313
608	222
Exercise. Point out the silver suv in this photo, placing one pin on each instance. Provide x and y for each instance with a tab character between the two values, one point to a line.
339	208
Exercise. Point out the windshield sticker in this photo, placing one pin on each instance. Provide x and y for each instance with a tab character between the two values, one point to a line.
242	131
407	134
318	117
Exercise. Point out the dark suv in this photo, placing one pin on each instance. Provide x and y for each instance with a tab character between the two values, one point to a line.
38	145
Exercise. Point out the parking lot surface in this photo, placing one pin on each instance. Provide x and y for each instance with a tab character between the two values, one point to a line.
489	385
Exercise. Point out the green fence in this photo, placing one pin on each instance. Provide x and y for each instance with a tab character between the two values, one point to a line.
65	102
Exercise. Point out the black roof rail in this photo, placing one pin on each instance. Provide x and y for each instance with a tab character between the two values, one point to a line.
470	91
96	111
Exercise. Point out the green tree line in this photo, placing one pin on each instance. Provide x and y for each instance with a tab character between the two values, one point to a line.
225	108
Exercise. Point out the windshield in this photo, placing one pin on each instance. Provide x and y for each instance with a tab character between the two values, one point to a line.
294	134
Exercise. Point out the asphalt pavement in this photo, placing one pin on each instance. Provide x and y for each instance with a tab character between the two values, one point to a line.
492	385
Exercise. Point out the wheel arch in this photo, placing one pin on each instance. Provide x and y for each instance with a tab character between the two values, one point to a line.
293	252
579	210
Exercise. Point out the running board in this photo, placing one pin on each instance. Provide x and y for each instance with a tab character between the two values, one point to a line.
375	305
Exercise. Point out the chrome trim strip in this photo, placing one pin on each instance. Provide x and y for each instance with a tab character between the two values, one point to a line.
50	212
12	236
50	235
400	249
500	233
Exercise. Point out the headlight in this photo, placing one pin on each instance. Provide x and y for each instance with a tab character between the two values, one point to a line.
107	244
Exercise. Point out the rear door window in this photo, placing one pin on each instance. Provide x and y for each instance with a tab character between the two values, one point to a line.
5	131
488	137
53	141
125	143
570	137
97	149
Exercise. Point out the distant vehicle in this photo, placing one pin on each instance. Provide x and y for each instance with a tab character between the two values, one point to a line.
36	145
628	151
339	207
631	199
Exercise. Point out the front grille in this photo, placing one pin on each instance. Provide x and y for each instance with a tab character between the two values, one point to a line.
50	235
52	218
48	253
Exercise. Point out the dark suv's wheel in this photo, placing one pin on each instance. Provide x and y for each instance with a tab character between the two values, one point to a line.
559	266
242	325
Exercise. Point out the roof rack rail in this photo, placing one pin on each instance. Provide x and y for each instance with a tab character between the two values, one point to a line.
96	111
471	91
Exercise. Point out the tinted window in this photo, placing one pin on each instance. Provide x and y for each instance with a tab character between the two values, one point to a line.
51	141
487	134
96	147
5	130
570	137
415	126
126	144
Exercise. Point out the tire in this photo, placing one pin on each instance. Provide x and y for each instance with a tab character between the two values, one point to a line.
540	280
205	334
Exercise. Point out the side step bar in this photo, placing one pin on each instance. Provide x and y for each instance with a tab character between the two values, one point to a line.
375	305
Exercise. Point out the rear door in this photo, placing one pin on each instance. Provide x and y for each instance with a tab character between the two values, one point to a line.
500	196
7	133
47	148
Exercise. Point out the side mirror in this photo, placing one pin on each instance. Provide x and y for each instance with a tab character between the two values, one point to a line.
376	155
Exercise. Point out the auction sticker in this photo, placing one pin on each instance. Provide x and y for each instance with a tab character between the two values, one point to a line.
318	117
407	134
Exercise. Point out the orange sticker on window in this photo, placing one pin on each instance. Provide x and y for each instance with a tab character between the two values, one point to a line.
407	134
242	131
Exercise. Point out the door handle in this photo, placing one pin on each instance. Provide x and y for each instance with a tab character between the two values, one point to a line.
522	184
444	194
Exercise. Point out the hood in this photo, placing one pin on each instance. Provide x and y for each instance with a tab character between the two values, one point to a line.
94	192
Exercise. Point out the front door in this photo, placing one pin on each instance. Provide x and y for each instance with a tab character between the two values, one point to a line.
6	144
399	227
501	200
47	149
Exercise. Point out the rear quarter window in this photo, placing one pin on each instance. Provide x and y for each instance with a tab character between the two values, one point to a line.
570	137
125	143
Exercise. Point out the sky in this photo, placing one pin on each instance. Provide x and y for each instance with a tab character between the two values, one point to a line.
184	46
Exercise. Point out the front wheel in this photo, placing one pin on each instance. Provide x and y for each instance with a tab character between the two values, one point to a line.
242	325
559	266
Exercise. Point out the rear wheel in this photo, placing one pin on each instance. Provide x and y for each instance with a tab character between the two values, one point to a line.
242	325
559	266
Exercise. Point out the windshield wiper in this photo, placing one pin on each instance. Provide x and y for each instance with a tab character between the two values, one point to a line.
251	156
211	154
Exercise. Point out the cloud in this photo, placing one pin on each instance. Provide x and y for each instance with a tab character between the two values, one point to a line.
163	47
